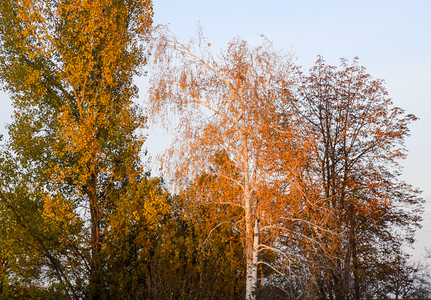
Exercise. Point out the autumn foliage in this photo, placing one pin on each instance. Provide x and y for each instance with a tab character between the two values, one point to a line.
283	183
313	157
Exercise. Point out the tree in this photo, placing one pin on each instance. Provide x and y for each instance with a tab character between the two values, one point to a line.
231	106
358	141
403	279
136	227
69	69
198	252
40	255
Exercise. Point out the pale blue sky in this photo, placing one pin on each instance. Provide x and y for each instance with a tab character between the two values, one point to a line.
391	38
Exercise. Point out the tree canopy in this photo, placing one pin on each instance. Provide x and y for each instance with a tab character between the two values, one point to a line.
69	69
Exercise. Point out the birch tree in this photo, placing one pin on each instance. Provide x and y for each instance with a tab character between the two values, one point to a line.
231	104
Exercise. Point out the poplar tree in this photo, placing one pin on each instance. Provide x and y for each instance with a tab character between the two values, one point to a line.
68	67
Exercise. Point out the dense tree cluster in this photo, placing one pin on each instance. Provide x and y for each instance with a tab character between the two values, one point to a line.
285	183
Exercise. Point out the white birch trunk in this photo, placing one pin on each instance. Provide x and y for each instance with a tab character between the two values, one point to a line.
251	282
251	232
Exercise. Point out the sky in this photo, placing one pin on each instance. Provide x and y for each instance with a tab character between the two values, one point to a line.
391	38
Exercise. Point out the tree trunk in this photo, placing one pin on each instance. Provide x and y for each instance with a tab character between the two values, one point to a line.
252	259
355	263
95	285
